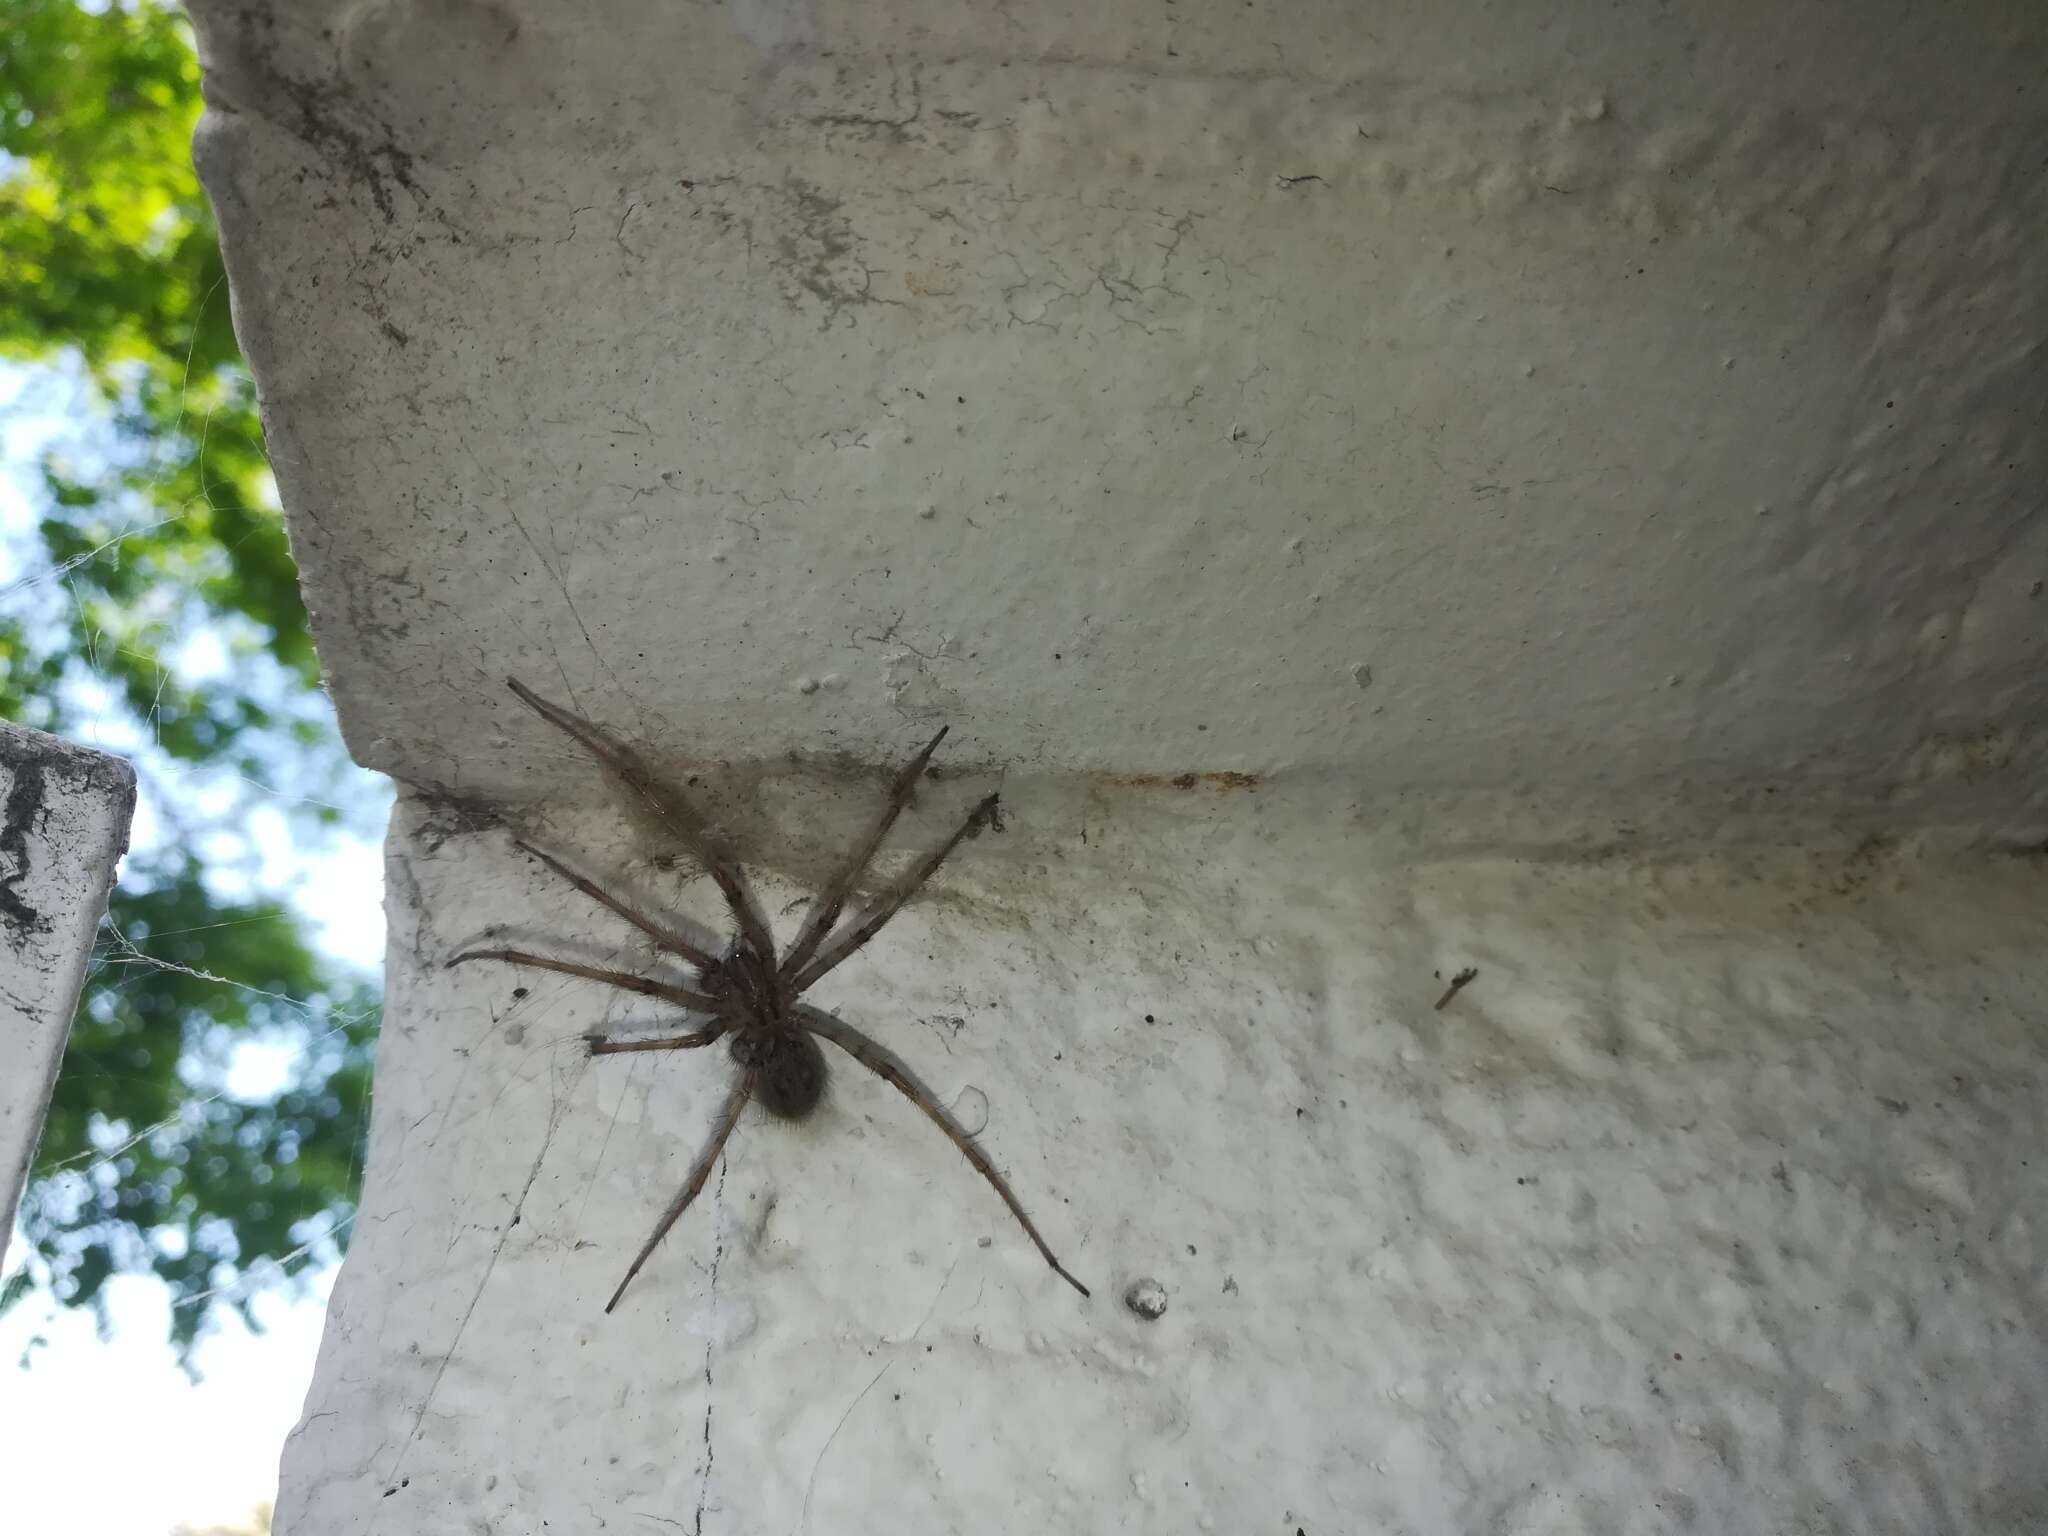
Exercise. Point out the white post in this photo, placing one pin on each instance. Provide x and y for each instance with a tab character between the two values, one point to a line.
64	813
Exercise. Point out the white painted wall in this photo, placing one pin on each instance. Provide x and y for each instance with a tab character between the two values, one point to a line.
1716	1200
1294	445
64	813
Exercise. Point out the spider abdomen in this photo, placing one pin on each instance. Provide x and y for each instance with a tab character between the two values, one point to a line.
791	1068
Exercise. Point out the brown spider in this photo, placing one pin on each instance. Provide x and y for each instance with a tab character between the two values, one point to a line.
745	990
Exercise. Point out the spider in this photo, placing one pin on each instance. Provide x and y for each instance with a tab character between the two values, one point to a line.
749	994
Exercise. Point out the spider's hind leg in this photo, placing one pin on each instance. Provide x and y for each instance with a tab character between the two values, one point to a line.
699	1172
879	1060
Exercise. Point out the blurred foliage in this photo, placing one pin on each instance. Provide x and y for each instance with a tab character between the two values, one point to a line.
157	523
107	253
141	1168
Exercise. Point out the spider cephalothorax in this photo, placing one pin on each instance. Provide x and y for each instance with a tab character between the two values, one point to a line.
761	1033
746	990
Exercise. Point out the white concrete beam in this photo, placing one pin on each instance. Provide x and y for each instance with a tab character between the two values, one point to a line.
64	814
1603	408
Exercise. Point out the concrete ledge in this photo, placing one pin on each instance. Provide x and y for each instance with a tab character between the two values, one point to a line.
1577	408
66	811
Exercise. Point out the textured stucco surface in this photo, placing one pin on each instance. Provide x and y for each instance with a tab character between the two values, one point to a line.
64	813
1716	1200
1627	406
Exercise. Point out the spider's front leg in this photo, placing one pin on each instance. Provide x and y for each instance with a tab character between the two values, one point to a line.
831	900
669	806
663	935
890	900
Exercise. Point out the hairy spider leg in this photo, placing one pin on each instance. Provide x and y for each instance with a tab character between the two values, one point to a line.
811	959
831	899
675	812
742	1091
604	1045
890	901
626	981
662	935
880	1061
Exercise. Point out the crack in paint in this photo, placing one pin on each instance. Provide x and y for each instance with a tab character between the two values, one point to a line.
498	1248
804	1518
710	1452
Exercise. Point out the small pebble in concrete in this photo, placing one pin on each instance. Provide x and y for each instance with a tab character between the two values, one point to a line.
1147	1298
807	685
1362	675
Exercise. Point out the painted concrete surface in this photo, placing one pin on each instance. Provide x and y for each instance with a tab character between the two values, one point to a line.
64	813
1714	1201
1289	446
1626	407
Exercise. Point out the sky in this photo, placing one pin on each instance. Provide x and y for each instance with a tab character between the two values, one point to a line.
195	1453
109	1438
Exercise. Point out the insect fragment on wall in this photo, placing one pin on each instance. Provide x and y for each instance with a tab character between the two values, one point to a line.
746	993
